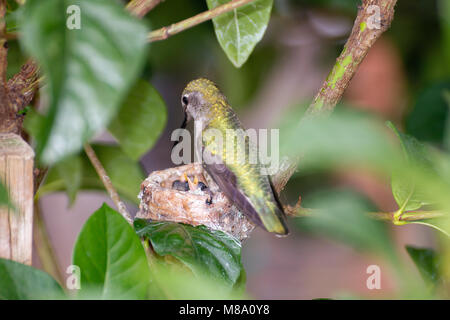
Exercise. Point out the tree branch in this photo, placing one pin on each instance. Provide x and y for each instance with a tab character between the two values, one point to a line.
140	8
165	32
107	183
368	27
374	17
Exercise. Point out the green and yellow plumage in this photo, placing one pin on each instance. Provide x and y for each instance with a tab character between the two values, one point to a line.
205	102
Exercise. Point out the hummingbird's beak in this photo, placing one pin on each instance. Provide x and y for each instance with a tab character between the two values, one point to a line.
185	120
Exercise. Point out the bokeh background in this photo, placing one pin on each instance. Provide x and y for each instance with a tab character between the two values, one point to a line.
400	80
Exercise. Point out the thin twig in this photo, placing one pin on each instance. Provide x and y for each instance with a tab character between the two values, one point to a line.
408	216
107	183
140	8
165	32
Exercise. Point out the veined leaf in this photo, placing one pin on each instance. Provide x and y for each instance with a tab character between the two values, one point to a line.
111	258
88	70
204	251
239	30
405	189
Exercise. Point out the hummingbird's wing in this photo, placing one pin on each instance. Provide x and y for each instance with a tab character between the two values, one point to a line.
227	182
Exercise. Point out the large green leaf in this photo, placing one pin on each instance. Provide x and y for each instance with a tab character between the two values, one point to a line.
111	257
204	251
140	121
88	70
427	262
21	282
126	174
239	30
406	190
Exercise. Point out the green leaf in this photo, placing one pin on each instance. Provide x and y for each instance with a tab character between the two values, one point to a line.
427	262
406	190
204	251
345	138
126	174
111	257
22	282
89	70
239	30
140	121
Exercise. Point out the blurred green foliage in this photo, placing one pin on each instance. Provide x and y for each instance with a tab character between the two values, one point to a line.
22	282
335	209
89	75
140	120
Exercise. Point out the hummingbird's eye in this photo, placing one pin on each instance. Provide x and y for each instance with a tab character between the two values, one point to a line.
185	100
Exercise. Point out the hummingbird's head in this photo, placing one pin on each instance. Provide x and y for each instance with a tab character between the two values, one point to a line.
199	97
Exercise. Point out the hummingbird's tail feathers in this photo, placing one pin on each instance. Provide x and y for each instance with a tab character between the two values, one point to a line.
279	211
272	216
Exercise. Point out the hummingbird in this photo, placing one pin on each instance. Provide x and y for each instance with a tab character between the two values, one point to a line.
242	182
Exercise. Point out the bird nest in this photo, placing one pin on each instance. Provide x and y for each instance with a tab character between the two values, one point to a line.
162	200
